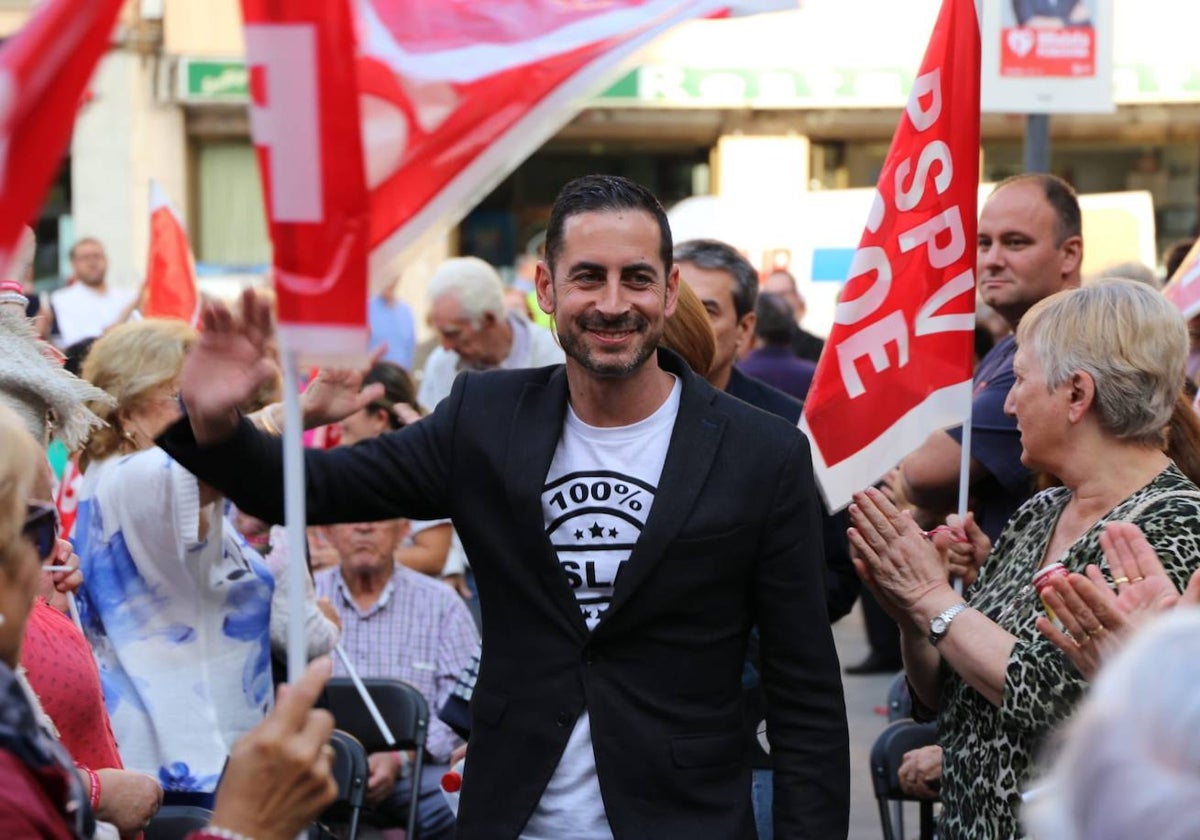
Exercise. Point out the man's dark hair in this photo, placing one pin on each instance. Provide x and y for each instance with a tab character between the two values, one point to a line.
1175	254
603	193
774	320
76	354
713	255
1062	198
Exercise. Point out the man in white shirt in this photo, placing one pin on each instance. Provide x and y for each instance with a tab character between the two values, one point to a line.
466	308
89	306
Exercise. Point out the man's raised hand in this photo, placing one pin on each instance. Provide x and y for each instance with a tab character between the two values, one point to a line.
226	366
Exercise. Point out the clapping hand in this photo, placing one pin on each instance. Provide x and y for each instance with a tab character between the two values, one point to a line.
894	558
1096	616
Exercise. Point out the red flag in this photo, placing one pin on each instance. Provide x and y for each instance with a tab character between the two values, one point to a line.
456	94
170	272
66	497
1182	289
898	362
305	120
44	69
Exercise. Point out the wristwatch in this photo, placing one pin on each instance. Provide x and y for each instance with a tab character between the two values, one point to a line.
939	625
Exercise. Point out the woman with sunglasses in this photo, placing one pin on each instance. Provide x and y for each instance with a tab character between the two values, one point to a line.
278	775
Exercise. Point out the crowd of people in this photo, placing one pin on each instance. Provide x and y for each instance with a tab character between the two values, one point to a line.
623	506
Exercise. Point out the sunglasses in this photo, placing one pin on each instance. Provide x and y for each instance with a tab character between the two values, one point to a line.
41	528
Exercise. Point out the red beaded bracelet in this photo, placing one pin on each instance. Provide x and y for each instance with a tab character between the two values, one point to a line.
94	798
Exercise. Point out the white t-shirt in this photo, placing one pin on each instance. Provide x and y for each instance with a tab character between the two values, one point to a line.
597	496
81	312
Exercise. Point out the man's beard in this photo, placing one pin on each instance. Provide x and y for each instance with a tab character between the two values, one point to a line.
574	346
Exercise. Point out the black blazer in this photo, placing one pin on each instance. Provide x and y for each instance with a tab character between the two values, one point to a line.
733	540
841	581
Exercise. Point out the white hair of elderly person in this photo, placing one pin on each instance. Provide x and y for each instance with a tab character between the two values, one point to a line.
475	284
1129	760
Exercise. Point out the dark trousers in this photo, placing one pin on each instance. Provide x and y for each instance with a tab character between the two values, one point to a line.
882	633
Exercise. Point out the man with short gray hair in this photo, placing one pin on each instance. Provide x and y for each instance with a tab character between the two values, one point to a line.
466	309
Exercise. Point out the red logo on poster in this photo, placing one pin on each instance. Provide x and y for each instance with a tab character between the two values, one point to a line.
1062	52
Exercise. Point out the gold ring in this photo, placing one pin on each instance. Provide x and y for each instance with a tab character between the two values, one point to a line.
1120	580
1136	579
1091	633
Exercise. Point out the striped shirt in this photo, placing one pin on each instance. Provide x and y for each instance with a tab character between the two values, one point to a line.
418	631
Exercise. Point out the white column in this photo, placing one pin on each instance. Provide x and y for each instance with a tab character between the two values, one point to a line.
122	139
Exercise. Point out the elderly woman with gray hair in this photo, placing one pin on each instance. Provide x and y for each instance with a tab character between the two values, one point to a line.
1097	371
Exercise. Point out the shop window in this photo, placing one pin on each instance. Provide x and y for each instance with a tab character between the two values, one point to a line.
232	220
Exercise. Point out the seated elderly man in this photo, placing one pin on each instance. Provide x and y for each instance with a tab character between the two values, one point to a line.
400	624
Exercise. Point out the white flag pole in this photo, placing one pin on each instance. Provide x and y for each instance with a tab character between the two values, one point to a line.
964	463
384	730
294	511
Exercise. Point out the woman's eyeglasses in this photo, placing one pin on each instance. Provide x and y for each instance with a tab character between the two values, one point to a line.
41	528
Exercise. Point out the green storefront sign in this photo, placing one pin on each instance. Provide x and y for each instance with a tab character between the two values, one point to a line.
204	80
662	85
674	86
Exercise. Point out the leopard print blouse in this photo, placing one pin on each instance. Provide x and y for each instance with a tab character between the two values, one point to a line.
990	751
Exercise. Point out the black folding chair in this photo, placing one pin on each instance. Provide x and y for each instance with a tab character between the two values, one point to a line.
175	822
886	755
406	714
351	773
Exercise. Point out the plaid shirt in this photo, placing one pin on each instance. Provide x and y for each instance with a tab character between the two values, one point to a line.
419	631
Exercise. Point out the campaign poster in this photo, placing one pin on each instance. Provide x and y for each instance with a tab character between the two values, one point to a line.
1047	56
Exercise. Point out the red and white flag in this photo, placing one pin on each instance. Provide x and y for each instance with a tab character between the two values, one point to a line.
456	94
1183	288
899	359
304	117
170	269
376	120
44	70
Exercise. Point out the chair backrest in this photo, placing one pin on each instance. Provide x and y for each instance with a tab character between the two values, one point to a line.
403	709
350	769
175	822
351	772
899	701
888	751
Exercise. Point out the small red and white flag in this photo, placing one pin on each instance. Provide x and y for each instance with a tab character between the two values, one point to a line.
1183	287
899	359
44	71
170	269
66	497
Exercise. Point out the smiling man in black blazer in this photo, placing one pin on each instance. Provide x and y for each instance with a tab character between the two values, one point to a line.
628	525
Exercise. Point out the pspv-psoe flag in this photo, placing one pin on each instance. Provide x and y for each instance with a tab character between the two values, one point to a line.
170	268
304	118
898	362
44	69
457	93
